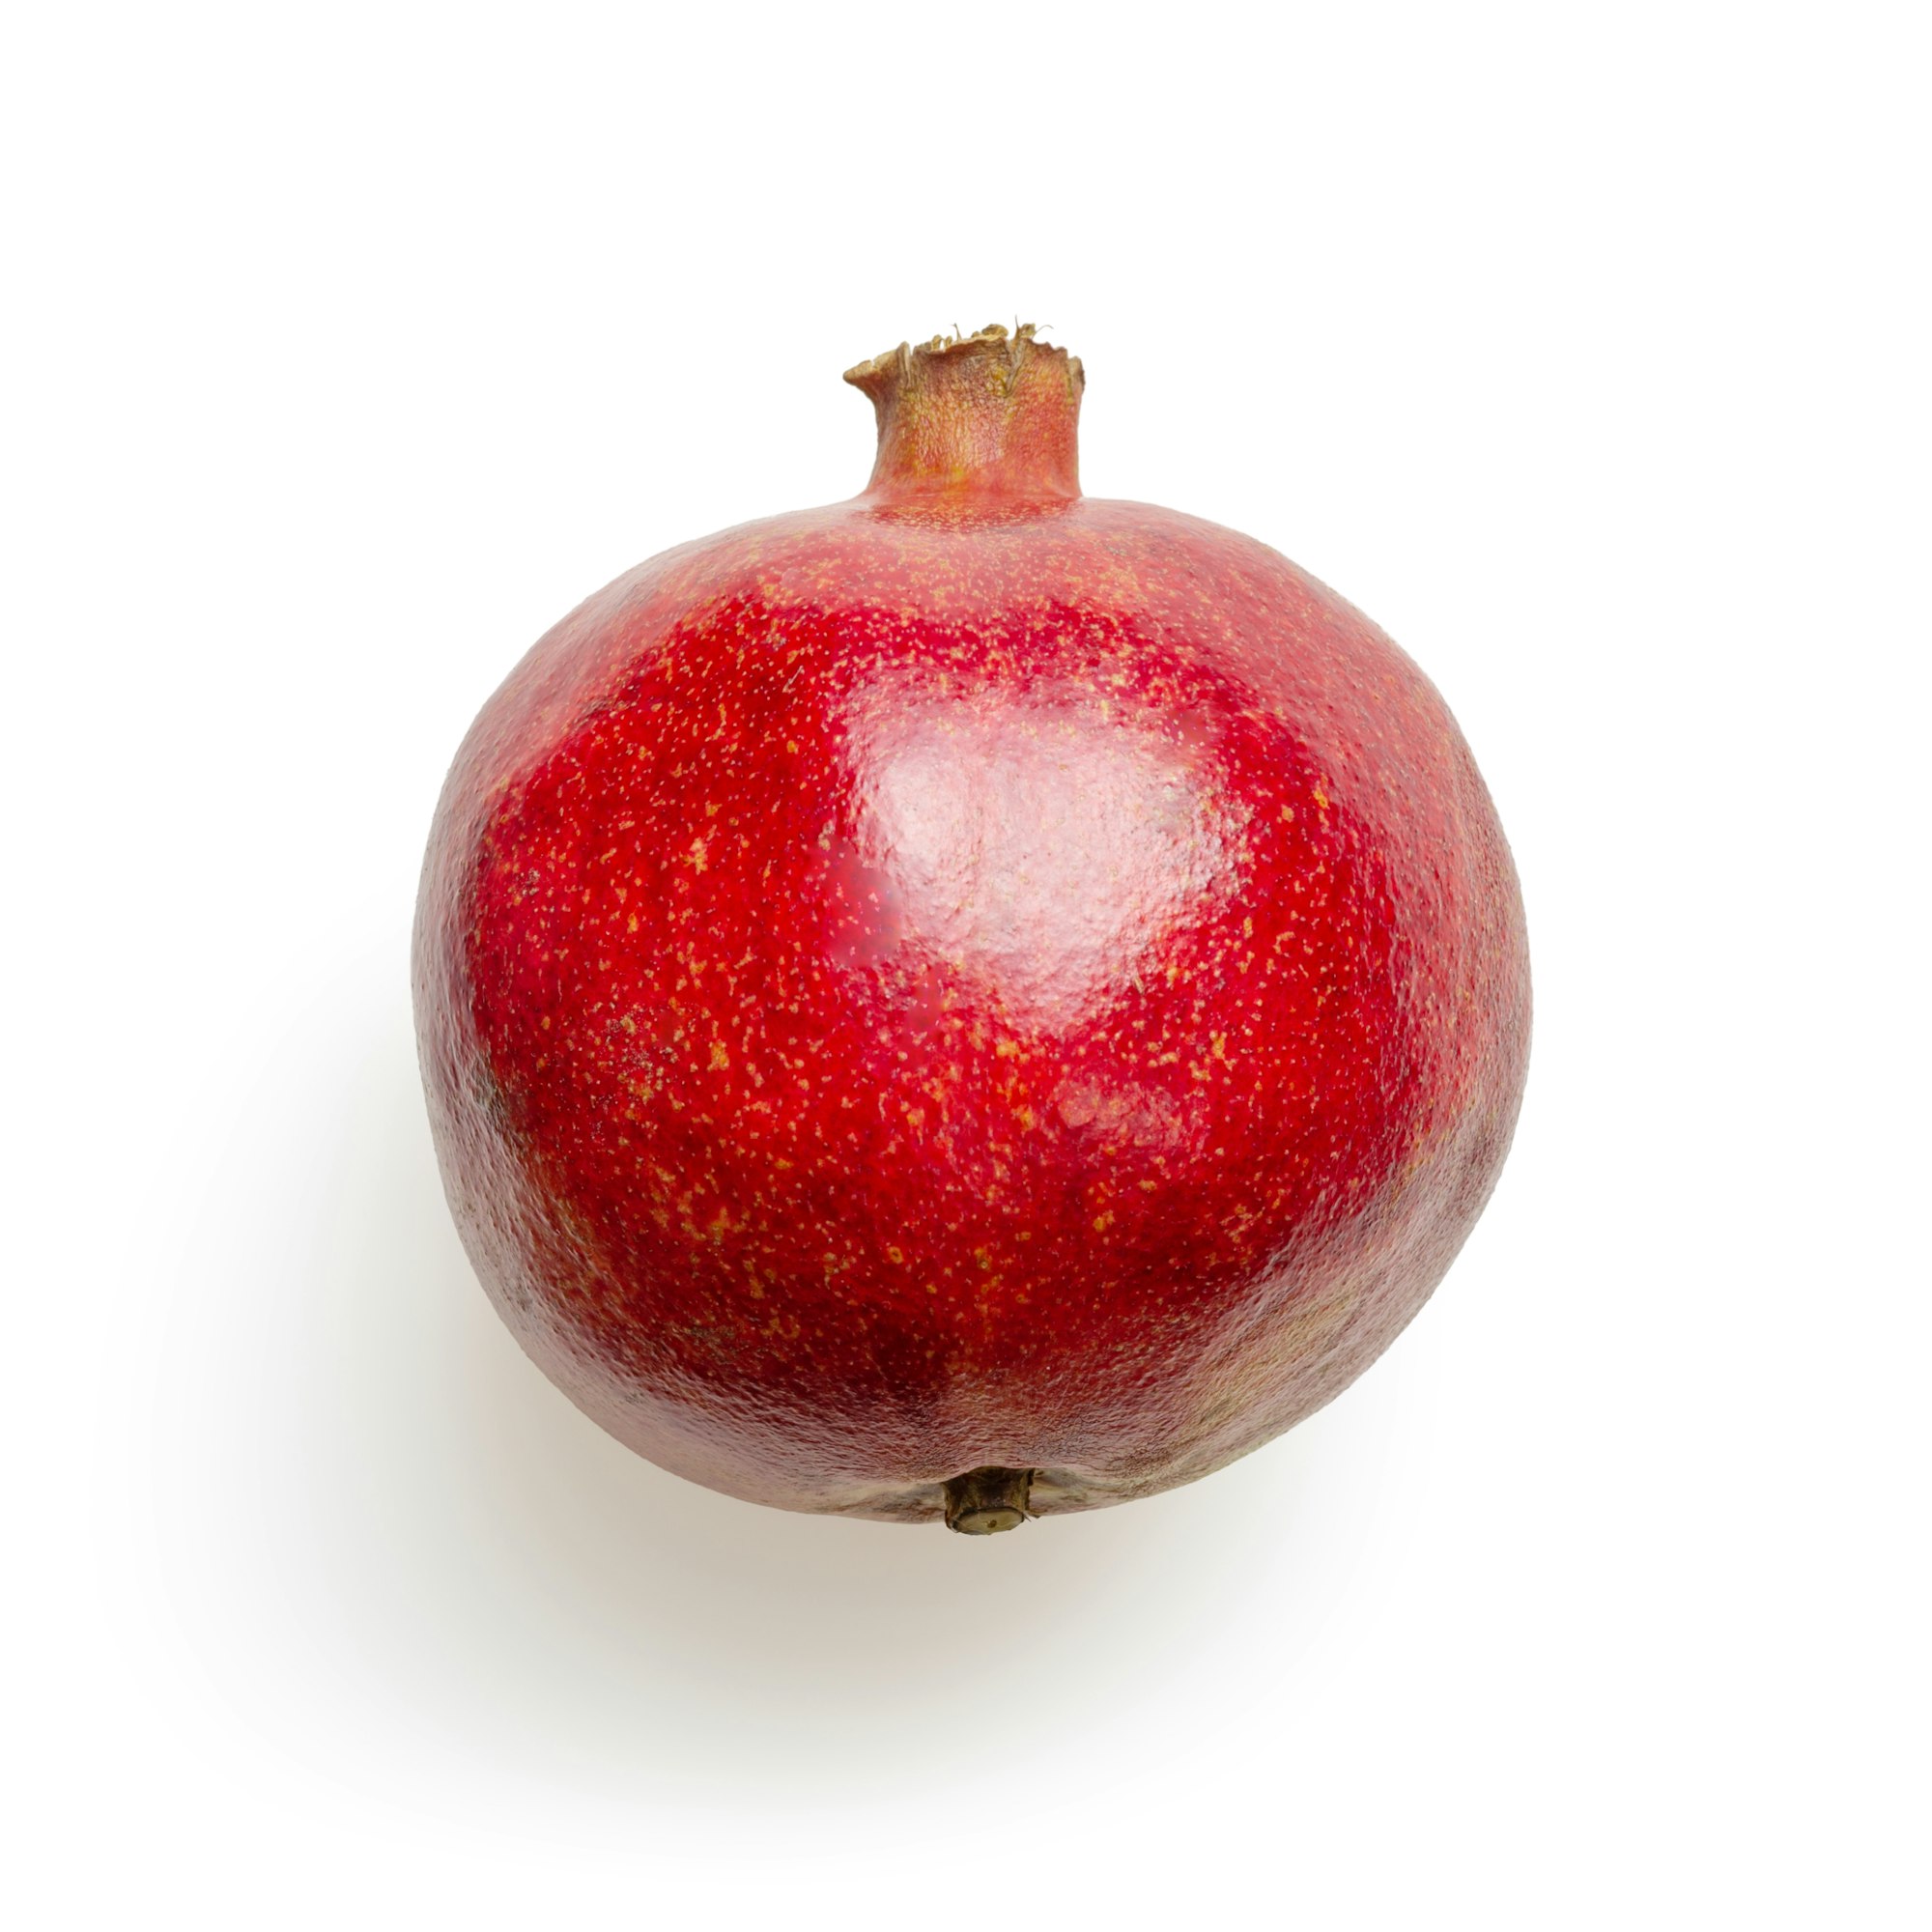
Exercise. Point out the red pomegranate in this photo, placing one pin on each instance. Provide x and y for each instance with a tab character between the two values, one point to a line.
973	1002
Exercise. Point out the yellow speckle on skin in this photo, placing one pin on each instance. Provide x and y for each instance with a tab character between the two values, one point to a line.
545	1023
1287	814
1320	799
697	855
1024	1114
1103	1221
632	927
720	1058
1007	1049
897	1256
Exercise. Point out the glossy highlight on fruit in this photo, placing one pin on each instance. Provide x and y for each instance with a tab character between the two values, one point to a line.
973	1002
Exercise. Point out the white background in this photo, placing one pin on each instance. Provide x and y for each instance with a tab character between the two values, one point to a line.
1584	347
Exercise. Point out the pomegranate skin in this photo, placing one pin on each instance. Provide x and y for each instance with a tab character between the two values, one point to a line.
975	977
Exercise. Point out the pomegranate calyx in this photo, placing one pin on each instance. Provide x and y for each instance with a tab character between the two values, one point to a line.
993	414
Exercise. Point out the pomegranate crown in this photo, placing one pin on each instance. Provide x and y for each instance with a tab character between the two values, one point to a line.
992	413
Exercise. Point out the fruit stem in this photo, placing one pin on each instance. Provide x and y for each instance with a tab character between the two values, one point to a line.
991	415
983	1501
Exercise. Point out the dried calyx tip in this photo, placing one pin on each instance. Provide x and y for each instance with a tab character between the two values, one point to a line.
984	1501
1015	344
975	417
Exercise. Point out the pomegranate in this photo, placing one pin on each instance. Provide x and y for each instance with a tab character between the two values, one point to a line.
971	1003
